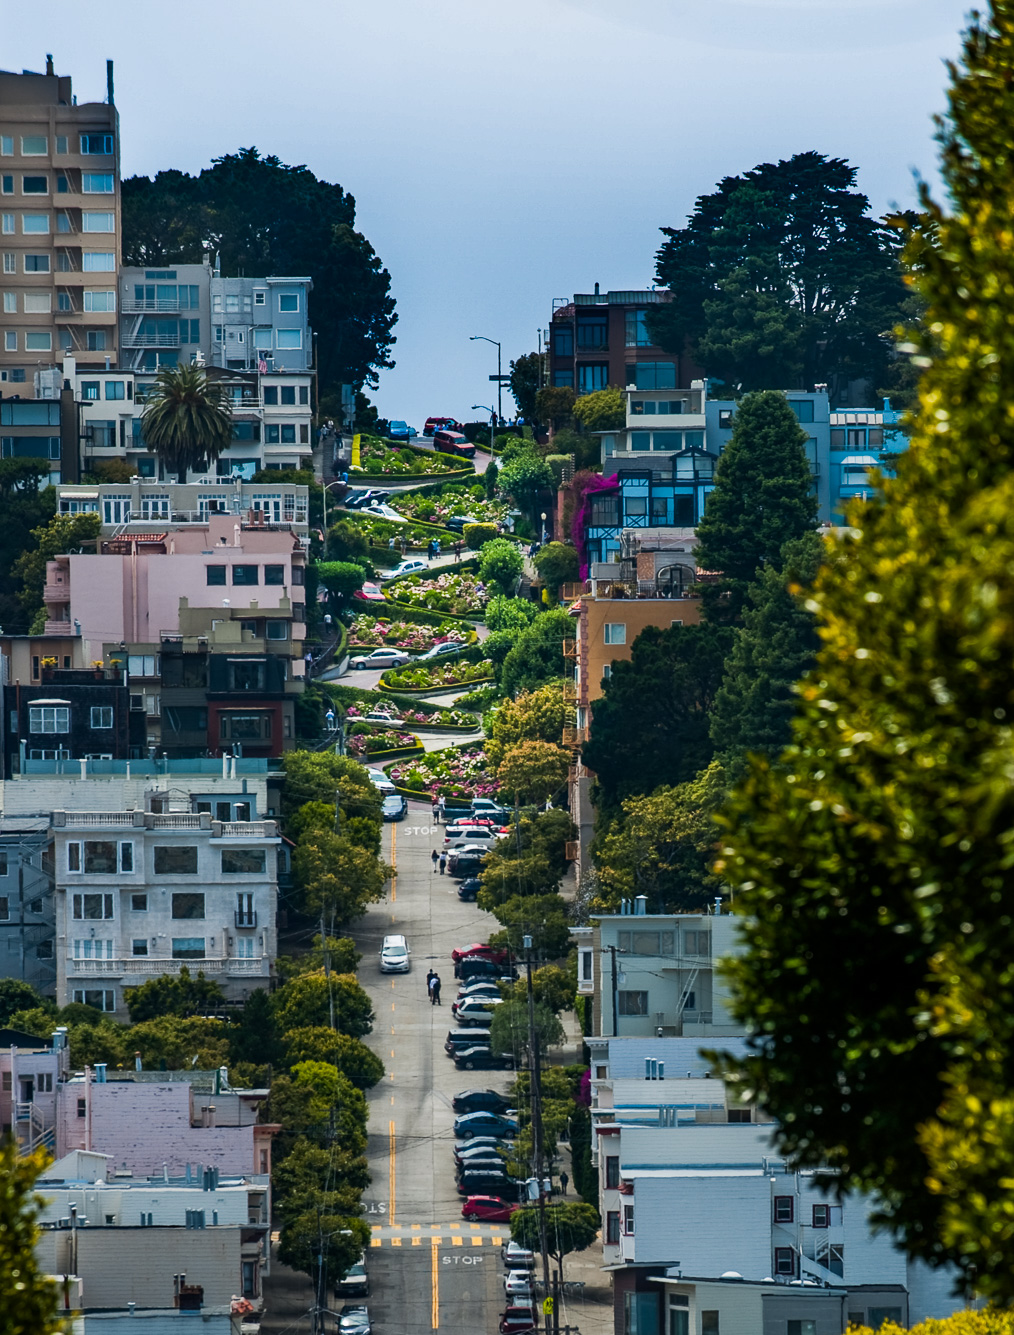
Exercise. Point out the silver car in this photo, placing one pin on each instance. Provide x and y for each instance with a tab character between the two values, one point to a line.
382	658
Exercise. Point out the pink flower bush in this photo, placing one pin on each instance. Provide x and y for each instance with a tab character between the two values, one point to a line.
375	632
454	772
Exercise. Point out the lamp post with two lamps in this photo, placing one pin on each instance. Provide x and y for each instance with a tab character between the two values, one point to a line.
492	423
499	372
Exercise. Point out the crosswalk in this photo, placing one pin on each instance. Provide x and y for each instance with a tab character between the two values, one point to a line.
437	1235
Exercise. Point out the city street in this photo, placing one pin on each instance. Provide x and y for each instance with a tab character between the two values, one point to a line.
429	1269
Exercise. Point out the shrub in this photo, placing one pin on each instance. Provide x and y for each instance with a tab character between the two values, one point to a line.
477	535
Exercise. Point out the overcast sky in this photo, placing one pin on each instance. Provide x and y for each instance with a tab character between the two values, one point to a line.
503	154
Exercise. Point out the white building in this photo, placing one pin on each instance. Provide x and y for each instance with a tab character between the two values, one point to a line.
141	894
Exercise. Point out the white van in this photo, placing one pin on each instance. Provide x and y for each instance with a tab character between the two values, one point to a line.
394	955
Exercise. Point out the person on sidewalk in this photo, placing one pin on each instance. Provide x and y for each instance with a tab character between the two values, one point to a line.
564	1179
435	855
457	550
442	809
436	811
435	985
443	863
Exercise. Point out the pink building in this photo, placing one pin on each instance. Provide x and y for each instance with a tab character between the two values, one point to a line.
130	591
148	1120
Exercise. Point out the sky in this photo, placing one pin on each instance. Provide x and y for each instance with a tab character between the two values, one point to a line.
503	154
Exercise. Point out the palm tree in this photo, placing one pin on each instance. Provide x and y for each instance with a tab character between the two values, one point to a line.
187	420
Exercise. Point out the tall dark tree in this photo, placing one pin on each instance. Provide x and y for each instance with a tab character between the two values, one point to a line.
262	216
782	277
650	726
774	648
187	419
763	495
26	504
526	381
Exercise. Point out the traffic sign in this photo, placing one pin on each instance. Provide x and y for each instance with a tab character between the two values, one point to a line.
547	1307
503	379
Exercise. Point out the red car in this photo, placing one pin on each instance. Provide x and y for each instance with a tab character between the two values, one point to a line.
370	593
440	424
517	1319
491	1209
484	952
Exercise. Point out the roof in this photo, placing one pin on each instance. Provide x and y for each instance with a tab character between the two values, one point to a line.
17	1038
628	1055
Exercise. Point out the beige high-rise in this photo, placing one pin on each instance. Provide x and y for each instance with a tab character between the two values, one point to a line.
60	227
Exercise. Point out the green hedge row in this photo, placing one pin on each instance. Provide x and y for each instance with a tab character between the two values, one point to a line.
433	690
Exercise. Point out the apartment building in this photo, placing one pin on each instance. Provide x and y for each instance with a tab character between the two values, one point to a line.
144	505
70	714
60	217
141	894
32	1070
599	339
27	911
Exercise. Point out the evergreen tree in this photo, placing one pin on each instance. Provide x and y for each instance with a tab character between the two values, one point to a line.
775	646
875	866
28	1297
763	495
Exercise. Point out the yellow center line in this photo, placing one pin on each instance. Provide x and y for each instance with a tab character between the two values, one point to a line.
435	1285
391	1188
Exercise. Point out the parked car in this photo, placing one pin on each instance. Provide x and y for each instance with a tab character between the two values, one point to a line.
488	1161
394	807
517	1319
466	1149
468	890
380	781
356	1283
438	424
380	716
465	863
485	806
458	1040
476	949
355	500
401	431
453	442
482	1059
370	593
472	968
380	510
447	649
475	1010
518	1284
516	1257
488	1184
479	987
410	566
475	835
457	523
487	1209
482	1123
381	658
395	955
354	1320
480	1100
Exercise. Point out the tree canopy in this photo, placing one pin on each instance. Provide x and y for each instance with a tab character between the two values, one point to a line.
173	994
187	419
781	278
537	715
261	216
602	410
501	564
570	1227
28	1297
874	864
61	534
526	379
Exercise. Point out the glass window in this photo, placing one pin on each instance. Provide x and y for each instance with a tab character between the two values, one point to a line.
48	718
288	302
592	376
215	574
784	1209
244	574
98	222
637	335
563	341
102	999
289	338
785	1261
274	574
89	390
612	1171
270	395
115	389
271	435
803	408
38	303
36	264
63	223
613	1227
614	632
667	440
97	183
188	947
102	716
563	379
632	1003
709	1323
260	298
38	341
35	185
175	860
139	903
654	375
247	676
243	861
801	1328
98	261
34	145
35	223
8	223
288	394
289	433
10	261
7	145
876	1316
821	1216
101	301
96	143
139	945
276	630
188	904
94	906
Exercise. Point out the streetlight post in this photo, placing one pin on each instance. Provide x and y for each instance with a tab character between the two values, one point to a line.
499	383
324	488
492	423
543	528
535	1090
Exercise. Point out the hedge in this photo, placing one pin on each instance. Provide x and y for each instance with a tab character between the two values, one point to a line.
348	694
396	753
422	615
433	690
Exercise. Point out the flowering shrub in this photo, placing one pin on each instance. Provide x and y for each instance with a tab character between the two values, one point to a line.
436	675
438	509
387	739
457	593
450	773
374	632
447	718
376	457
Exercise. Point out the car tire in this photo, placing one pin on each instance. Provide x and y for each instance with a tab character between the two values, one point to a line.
469	1066
472	1218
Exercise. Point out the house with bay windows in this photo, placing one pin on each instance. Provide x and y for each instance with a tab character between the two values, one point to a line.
69	714
143	894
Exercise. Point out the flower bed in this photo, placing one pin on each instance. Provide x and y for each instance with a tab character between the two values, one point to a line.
455	772
453	501
369	632
453	720
436	677
379	460
382	742
455	592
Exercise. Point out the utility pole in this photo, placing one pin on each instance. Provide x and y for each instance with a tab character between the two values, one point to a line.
535	1083
612	951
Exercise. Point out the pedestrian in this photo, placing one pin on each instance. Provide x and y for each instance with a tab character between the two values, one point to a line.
564	1179
429	551
433	983
442	808
436	811
430	975
390	543
404	548
435	856
457	550
436	546
436	988
443	863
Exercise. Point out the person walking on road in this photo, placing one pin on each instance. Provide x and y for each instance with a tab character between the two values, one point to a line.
436	811
457	550
564	1179
442	809
430	975
435	988
435	856
443	863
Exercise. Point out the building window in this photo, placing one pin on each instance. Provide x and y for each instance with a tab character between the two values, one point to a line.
289	338
739	1115
188	904
103	999
36	264
34	145
6	145
139	903
176	860
188	947
784	1209
288	302
97	143
613	1228
592	376
92	907
654	375
102	302
38	341
274	574
563	379
628	1220
215	574
876	1316
3	862
271	396
98	261
709	1323
803	408
10	341
98	222
38	303
821	1216
243	861
9	226
632	1003
10	262
636	330
697	943
5	908
612	1171
89	390
289	433
242	574
260	298
97	183
35	185
48	718
35	224
785	1261
288	395
102	716
614	632
139	945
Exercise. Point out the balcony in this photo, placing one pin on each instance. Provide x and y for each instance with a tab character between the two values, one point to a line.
246	919
257	964
570	648
59	626
142	340
56	593
134	306
575	736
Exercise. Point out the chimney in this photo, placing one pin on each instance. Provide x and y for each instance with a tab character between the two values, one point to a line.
100	1073
596	289
109	82
661	1070
49	65
641	905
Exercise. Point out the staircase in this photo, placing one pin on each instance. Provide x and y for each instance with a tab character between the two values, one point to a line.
30	1129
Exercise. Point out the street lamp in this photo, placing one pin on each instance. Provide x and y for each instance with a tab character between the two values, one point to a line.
492	423
543	516
499	383
326	485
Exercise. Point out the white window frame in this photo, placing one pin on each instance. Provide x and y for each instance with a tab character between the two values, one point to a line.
614	632
9	224
35	152
88	216
59	714
38	340
108	906
108	996
92	176
102	711
35	231
286	295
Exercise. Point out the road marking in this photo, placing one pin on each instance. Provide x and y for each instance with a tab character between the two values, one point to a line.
454	1226
415	1226
396	1242
497	1242
394	864
392	1052
375	1242
477	1242
417	1242
457	1242
376	1227
390	1199
435	1284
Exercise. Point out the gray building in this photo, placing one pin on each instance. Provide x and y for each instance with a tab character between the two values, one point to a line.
27	911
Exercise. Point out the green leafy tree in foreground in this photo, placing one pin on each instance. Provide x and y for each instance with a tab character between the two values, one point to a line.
61	534
349	1055
763	496
509	1028
534	716
525	382
875	865
306	1001
16	995
341	579
187	419
532	771
27	501
28	1298
602	410
569	1228
501	564
557	563
173	994
525	478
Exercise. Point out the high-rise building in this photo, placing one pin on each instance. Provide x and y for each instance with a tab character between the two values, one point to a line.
59	227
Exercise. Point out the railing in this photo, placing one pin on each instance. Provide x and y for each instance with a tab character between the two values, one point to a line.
247	829
106	819
59	626
136	306
223	965
174	822
141	340
246	919
575	736
31	1129
56	593
570	648
571	591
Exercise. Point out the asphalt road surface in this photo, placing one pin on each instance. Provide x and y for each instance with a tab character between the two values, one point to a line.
429	1270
